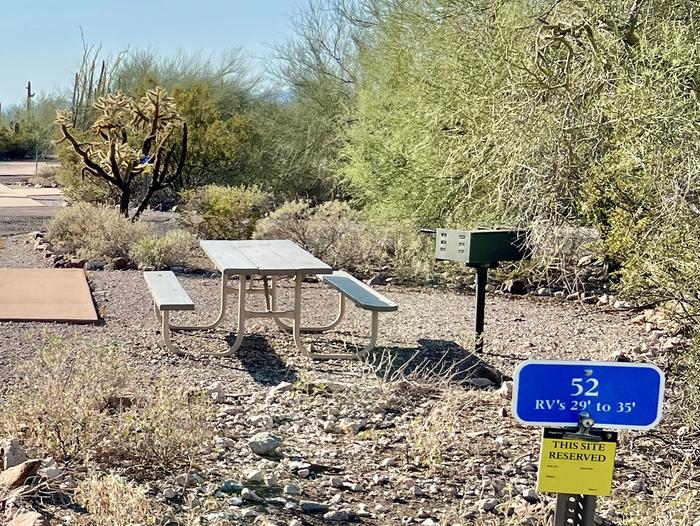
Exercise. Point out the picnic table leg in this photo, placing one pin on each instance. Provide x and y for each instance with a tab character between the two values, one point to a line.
220	317
284	326
296	330
164	322
241	319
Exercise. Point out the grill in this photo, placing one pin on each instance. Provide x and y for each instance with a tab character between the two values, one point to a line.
480	249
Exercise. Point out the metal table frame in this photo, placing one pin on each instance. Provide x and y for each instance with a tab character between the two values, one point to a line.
245	268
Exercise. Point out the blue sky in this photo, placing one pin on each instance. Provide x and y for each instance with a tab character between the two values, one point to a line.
40	40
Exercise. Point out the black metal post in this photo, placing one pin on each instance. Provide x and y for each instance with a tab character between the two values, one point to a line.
481	275
575	510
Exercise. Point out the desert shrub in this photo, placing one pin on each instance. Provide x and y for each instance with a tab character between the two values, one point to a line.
80	401
112	500
223	212
172	248
337	234
92	231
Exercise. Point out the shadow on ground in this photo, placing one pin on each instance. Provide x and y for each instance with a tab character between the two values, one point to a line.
438	360
262	363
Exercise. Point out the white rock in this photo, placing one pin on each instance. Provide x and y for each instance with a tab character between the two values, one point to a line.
250	495
506	390
264	443
380	508
336	516
255	475
265	421
303	473
362	510
544	291
388	462
248	513
224	442
216	391
49	470
560	295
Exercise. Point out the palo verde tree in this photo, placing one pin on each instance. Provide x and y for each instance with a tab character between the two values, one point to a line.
136	144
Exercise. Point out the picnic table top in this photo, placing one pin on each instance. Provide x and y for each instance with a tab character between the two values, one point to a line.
262	256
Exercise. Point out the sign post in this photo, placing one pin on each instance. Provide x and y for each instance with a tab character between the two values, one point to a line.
577	462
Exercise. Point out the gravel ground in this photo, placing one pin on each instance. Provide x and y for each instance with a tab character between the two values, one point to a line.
485	457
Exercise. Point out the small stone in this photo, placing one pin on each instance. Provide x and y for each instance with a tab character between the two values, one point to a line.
388	462
544	291
380	508
585	261
265	421
502	441
224	442
248	513
95	265
351	427
636	486
480	383
292	489
303	473
49	470
488	504
120	262
254	475
418	491
264	443
619	356
362	510
170	493
250	495
530	495
216	391
336	482
560	295
573	297
336	516
188	480
376	280
308	506
428	522
506	390
231	486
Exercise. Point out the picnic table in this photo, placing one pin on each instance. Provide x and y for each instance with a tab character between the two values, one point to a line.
269	259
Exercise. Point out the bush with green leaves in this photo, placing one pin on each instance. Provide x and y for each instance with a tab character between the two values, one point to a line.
94	232
175	247
223	212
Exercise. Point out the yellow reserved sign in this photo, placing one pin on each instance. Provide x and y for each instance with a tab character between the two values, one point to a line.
576	466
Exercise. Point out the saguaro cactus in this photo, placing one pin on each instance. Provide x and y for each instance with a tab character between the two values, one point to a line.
134	140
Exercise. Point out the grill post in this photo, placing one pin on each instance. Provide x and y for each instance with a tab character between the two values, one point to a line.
481	277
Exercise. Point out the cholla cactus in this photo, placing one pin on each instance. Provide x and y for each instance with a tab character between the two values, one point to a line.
133	139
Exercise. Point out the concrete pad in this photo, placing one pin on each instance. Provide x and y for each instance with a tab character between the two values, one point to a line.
61	295
34	192
12	201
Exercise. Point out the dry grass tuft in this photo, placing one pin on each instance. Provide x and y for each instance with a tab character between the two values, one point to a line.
113	501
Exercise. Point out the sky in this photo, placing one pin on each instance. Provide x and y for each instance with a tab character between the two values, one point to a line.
41	41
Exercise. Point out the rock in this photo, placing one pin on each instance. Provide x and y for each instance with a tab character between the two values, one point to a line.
304	472
12	453
362	511
515	286
585	261
574	296
489	372
351	427
281	387
544	291
488	504
264	421
224	442
308	506
380	508
31	518
480	383
376	280
336	482
619	356
292	489
248	513
16	476
388	462
428	522
188	480
170	493
49	470
250	495
506	390
120	263
530	495
636	486
490	288
264	443
95	265
216	391
255	475
231	486
502	441
560	295
336	516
